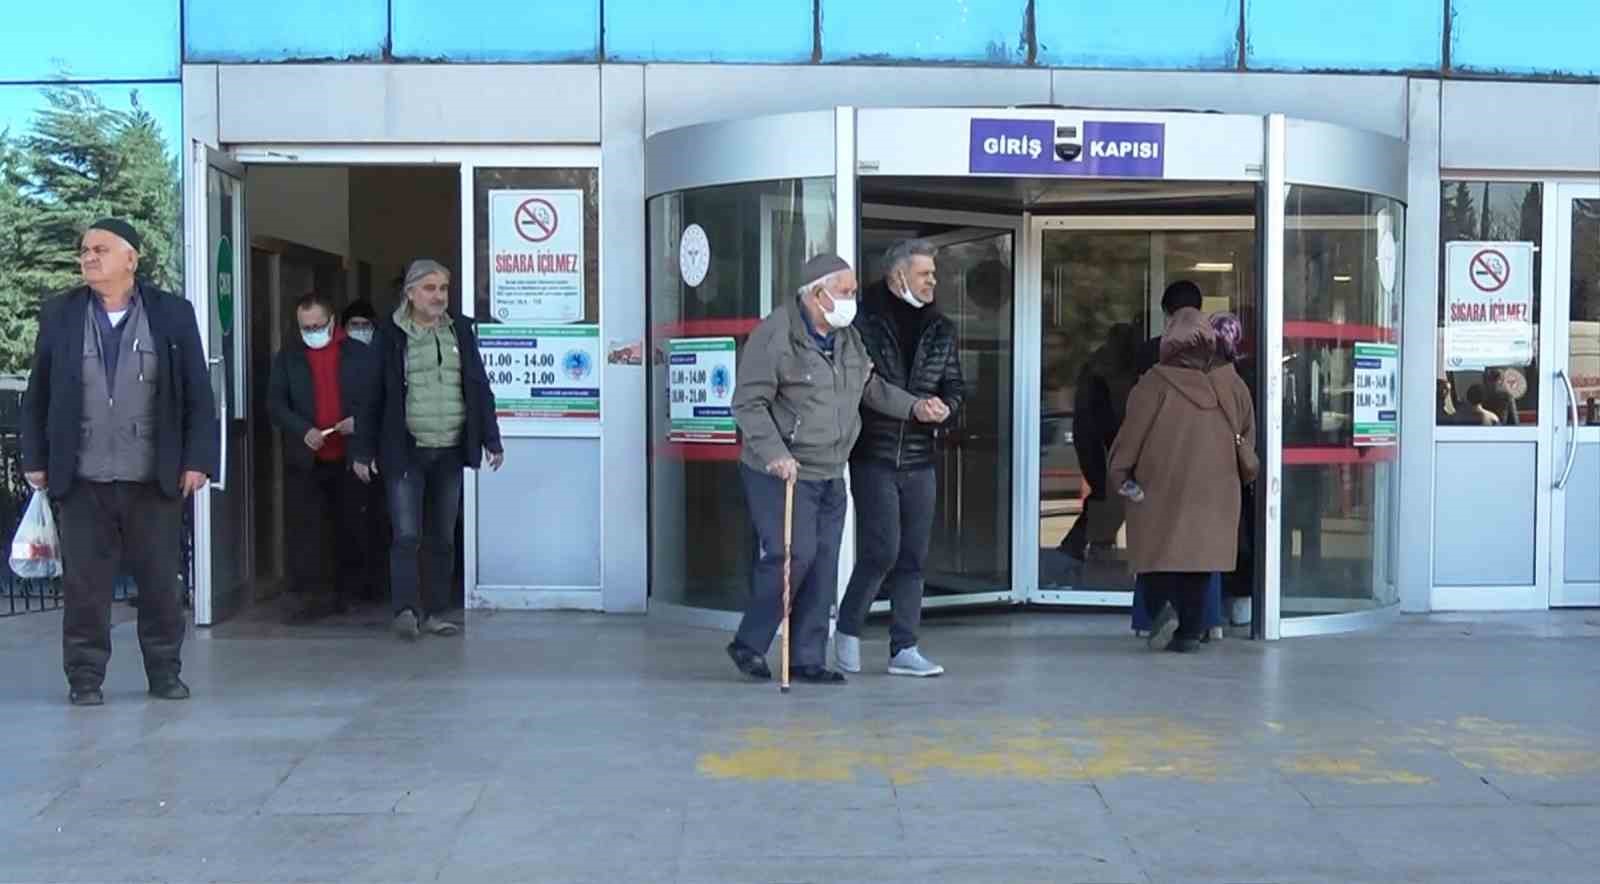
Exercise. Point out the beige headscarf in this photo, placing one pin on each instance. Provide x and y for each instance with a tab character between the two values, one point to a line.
1190	341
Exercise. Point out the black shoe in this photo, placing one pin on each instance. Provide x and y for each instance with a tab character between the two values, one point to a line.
169	688
749	662
1180	645
86	696
816	675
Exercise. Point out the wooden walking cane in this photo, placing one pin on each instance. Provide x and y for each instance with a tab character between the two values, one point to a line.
788	546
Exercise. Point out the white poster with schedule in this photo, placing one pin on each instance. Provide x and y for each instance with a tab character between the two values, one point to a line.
543	373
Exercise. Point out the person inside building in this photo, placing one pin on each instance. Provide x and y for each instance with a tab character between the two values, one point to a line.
310	400
120	428
360	323
426	413
1186	449
802	378
913	347
1099	399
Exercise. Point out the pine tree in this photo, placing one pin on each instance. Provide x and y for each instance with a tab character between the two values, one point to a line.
80	161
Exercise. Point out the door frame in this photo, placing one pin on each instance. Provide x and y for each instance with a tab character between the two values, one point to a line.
1562	438
1017	226
1032	412
466	159
203	159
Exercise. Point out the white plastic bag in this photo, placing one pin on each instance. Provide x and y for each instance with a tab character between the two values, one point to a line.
36	549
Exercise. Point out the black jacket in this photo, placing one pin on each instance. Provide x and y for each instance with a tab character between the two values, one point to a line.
291	400
935	371
186	434
381	432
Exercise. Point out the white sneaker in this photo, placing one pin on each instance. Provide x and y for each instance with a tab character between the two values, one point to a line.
911	662
847	651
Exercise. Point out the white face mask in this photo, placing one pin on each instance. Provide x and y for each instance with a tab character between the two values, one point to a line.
842	314
905	294
363	334
318	339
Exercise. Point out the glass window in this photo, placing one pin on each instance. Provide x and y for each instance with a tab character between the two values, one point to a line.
1501	395
1583	328
1342	298
494	30
91	40
746	245
230	31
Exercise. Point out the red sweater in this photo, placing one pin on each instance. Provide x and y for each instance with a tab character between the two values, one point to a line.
325	391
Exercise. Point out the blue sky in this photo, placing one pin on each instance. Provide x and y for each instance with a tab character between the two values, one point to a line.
19	104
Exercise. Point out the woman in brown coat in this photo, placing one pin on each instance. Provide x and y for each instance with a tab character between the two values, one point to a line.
1188	442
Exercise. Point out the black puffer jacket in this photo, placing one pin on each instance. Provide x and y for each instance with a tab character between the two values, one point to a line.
935	371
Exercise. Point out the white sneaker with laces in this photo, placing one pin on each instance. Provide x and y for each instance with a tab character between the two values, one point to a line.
911	662
847	651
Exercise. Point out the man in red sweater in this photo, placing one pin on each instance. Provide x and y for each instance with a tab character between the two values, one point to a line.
311	400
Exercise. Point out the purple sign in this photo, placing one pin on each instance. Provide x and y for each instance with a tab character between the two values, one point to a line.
1051	147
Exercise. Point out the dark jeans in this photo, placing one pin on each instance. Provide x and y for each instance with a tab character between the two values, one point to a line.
112	528
1092	457
894	515
1143	613
1186	592
423	504
330	545
818	528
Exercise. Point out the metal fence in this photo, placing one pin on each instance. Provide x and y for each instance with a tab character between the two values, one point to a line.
22	596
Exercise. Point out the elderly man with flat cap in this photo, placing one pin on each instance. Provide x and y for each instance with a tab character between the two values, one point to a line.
803	377
119	426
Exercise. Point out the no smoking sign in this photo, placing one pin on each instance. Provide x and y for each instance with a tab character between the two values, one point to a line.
1489	270
536	220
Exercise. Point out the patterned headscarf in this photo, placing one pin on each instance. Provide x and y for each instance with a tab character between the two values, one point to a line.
1229	333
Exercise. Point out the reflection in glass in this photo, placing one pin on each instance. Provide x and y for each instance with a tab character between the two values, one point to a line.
970	549
1489	211
701	543
1583	349
1101	291
1342	287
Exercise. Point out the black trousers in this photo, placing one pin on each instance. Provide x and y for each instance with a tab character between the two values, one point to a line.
818	529
1187	594
111	528
329	541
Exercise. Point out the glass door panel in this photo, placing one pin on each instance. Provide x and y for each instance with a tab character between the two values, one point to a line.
970	551
1575	563
1100	291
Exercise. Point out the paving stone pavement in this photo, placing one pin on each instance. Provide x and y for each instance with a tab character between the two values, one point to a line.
567	747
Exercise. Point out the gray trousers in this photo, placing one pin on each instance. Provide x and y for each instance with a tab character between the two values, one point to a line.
894	523
819	509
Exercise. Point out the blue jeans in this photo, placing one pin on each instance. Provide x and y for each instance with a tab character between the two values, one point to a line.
423	504
818	528
1213	610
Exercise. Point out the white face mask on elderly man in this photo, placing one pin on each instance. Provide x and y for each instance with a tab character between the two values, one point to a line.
843	312
318	338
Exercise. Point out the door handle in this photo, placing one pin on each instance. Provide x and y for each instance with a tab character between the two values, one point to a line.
1572	431
214	360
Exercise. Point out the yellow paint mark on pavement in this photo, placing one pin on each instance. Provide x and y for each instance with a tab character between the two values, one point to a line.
1360	769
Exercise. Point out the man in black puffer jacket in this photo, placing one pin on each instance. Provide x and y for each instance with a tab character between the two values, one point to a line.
913	346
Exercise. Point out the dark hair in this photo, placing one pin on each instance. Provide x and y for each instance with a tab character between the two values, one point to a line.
1475	394
314	299
361	309
1179	295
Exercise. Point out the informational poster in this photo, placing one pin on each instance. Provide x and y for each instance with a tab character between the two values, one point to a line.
543	372
700	379
1488	309
536	255
1377	395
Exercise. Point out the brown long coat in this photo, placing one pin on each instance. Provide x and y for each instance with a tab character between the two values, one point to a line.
1177	442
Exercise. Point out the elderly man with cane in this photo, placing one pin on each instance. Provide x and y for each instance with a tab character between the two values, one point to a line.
803	376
